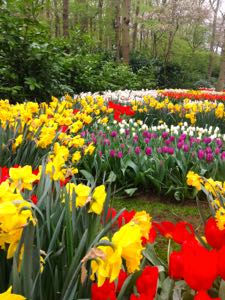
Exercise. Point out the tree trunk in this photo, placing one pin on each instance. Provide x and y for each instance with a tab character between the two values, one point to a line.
125	31
141	36
221	79
172	31
57	19
117	28
136	25
212	42
100	12
65	18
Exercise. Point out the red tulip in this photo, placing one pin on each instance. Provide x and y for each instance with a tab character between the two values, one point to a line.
146	284
179	232
214	236
176	265
105	292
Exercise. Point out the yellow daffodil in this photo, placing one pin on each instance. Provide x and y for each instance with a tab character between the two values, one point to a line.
98	200
9	296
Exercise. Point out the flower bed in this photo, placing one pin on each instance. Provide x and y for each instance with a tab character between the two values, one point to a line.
60	238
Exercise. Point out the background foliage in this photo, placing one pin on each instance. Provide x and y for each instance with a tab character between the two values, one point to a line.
47	50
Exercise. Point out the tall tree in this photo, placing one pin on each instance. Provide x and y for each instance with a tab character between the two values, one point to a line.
57	19
117	27
125	31
135	30
215	4
65	18
221	79
173	27
100	15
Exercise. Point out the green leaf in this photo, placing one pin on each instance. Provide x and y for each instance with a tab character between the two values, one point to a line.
222	289
130	192
112	177
88	176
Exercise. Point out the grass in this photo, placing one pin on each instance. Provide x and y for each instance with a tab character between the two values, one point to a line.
162	210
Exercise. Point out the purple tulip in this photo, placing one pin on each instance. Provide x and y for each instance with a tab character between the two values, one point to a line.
186	148
165	135
209	157
201	154
127	131
112	153
164	149
208	150
148	151
183	136
168	142
180	145
217	150
135	139
120	154
145	134
137	150
207	140
147	140
223	155
113	133
170	150
219	142
106	142
94	140
159	150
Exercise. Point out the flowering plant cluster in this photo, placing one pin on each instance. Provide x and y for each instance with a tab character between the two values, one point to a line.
59	236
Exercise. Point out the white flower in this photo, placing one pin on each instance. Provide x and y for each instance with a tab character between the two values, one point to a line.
122	130
144	127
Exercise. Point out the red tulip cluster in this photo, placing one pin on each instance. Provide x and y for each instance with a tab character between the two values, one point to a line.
108	291
146	286
124	218
194	96
120	110
195	264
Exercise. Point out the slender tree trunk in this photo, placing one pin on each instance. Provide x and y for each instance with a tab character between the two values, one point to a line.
125	31
141	36
117	27
172	32
212	42
57	19
100	13
65	18
48	14
221	79
154	44
136	25
83	17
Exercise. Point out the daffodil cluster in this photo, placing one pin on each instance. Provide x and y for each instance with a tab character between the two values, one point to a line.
126	244
84	195
216	190
15	214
